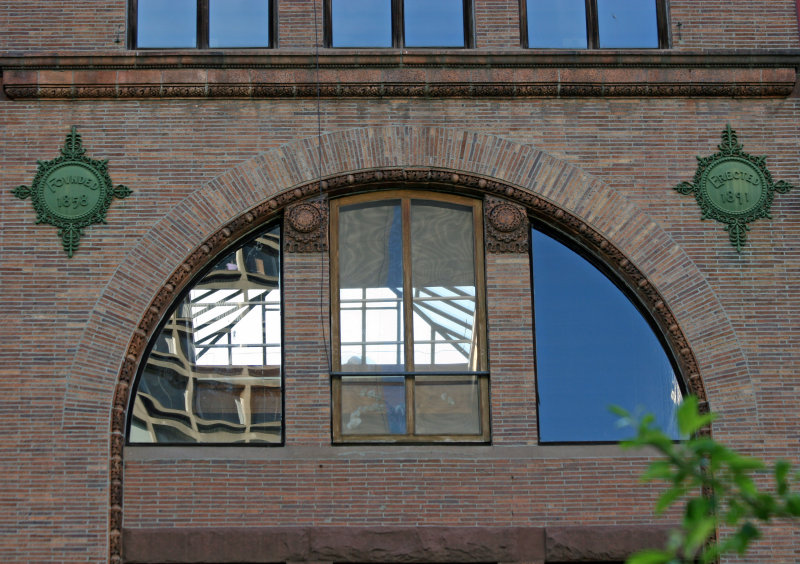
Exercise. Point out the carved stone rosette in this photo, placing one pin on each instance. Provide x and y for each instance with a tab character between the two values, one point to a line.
506	226
306	227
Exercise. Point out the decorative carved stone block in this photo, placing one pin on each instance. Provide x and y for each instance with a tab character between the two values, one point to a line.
506	226
306	227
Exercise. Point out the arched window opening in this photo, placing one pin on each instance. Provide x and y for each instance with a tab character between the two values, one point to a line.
213	374
408	319
594	349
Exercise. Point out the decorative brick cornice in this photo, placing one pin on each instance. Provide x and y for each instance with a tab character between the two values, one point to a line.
401	58
506	226
391	73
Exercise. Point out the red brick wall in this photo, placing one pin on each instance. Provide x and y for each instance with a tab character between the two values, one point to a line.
66	324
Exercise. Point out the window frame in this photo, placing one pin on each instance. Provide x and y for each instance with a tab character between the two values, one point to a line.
203	19
406	196
593	28
398	28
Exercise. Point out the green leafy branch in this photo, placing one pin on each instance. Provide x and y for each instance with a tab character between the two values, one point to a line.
716	484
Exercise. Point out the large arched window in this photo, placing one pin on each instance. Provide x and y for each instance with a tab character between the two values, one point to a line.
594	349
408	323
409	356
213	373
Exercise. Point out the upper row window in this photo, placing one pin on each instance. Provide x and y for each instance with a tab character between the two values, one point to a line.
593	24
565	24
397	23
201	23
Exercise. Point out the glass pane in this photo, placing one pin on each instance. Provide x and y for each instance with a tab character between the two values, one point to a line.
593	349
266	406
443	273
166	23
218	353
373	406
560	24
361	23
216	400
434	24
238	23
371	287
447	405
627	23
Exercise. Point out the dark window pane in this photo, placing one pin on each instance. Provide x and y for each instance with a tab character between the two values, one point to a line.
627	23
361	23
593	349
166	23
214	372
238	23
438	23
557	24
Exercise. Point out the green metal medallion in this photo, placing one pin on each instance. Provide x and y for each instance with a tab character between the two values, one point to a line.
71	192
733	187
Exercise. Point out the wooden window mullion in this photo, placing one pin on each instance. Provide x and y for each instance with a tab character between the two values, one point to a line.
408	314
398	23
592	26
469	35
662	24
523	23
202	24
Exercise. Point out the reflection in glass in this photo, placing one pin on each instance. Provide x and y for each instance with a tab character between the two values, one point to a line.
373	405
627	23
238	23
443	285
371	287
214	372
166	24
434	24
447	405
361	23
560	24
593	349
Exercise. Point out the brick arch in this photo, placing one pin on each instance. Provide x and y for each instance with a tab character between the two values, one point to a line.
234	204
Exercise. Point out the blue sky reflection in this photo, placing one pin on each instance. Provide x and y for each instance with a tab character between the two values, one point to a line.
238	23
166	24
627	23
434	24
593	349
560	24
361	23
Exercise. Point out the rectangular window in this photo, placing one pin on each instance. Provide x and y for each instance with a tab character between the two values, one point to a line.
594	24
409	342
218	24
398	23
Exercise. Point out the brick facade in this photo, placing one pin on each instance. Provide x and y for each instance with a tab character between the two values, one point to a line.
215	143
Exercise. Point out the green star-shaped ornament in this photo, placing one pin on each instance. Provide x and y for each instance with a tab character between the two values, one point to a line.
71	192
733	187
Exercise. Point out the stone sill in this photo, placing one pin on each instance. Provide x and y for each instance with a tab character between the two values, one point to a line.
400	73
377	453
